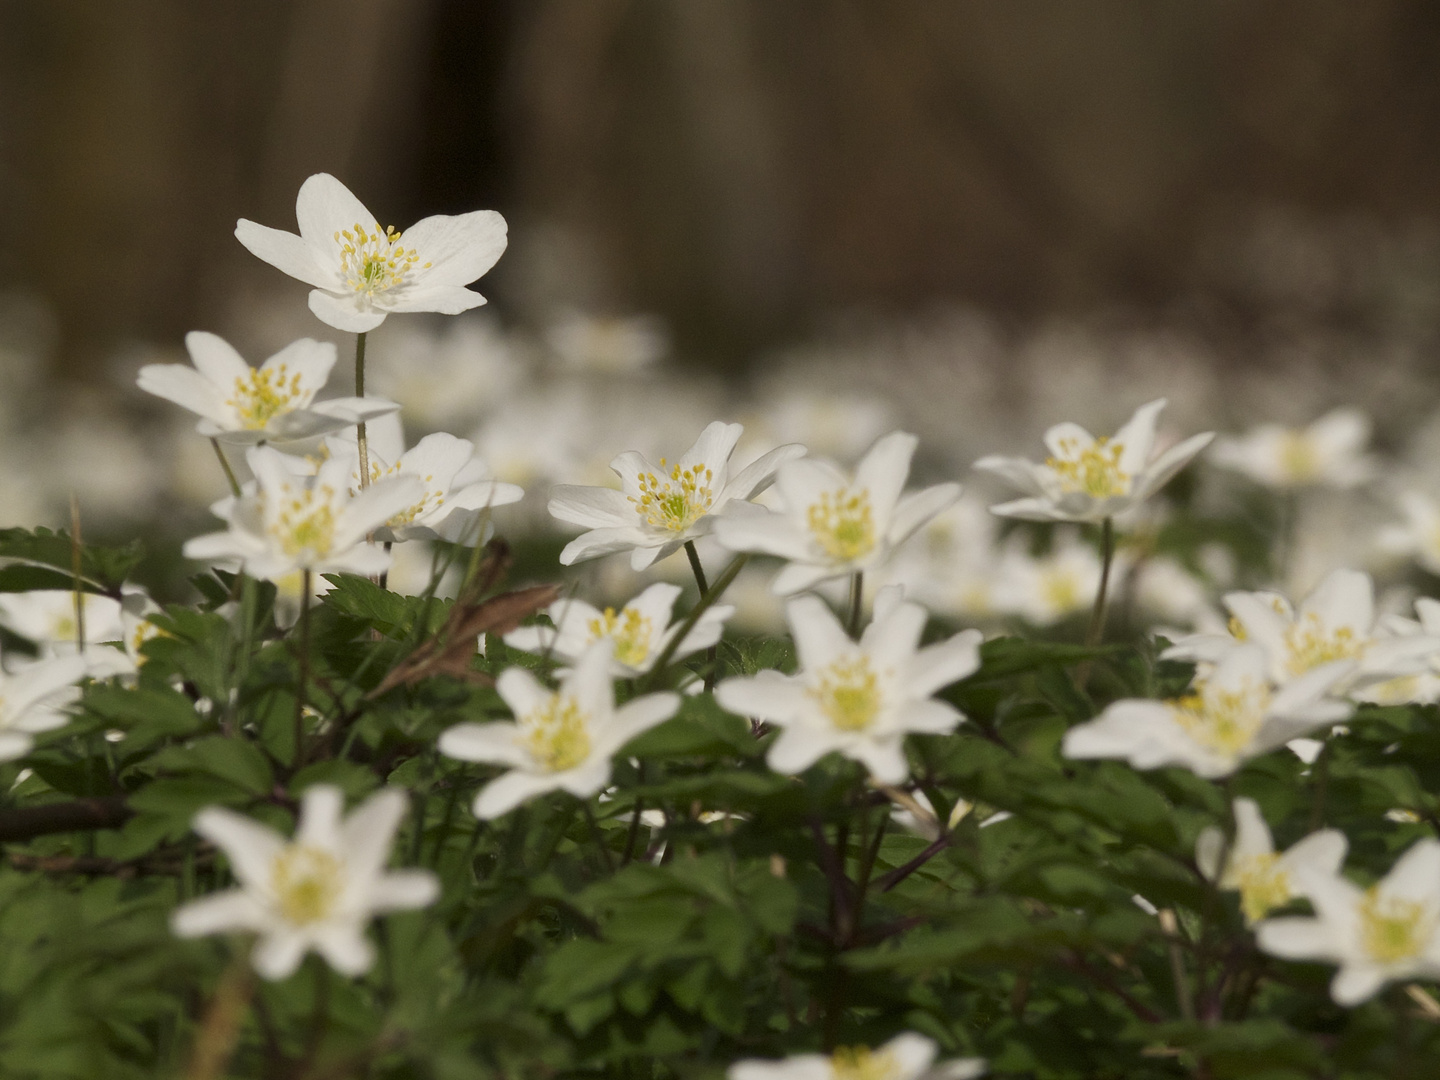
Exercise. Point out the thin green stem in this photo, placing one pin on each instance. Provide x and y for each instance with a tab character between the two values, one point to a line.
712	654
75	555
305	585
707	599
857	601
1096	633
225	464
361	442
599	838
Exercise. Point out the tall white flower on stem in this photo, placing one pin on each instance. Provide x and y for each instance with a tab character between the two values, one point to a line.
316	892
856	699
906	1057
1329	452
288	521
1090	479
640	630
660	508
1265	880
1232	714
1377	935
1335	622
362	272
560	739
34	697
831	524
275	402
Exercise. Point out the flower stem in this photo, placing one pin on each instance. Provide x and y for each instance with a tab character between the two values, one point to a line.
857	600
712	654
304	667
225	464
361	442
1096	632
707	599
75	553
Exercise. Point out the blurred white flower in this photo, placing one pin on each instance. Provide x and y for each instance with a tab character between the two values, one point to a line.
830	524
1422	688
906	1057
34	697
447	377
317	891
1419	535
640	630
1377	935
661	507
272	403
361	272
1165	589
856	699
1048	588
286	522
951	565
47	617
832	424
1231	715
561	739
1088	478
1329	452
607	346
1264	879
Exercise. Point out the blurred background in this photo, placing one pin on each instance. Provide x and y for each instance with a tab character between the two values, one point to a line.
822	218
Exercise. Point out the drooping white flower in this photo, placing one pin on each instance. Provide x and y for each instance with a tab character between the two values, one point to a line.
1231	715
1377	935
288	521
1419	535
362	272
1335	622
272	403
34	697
831	524
560	739
1329	452
640	630
457	491
660	507
906	1057
317	891
1089	479
1264	879
856	699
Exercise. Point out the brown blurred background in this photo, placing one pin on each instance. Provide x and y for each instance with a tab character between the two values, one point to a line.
743	167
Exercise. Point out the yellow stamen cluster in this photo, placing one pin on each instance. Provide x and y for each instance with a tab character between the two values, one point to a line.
1392	929
862	1063
556	734
1311	645
1094	471
628	629
848	694
675	500
264	394
842	524
306	883
143	632
303	521
1263	883
1225	721
1061	591
1299	461
371	261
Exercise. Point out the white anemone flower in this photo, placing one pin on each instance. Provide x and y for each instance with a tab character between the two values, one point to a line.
660	508
1231	715
1335	622
287	521
1388	932
1265	880
607	346
361	272
272	403
34	697
560	739
831	524
908	1056
1419	536
316	892
857	699
1422	688
458	493
1048	588
951	563
1090	479
47	617
640	630
1329	452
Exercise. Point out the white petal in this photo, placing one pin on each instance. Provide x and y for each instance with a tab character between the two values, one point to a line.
797	577
1137	437
345	947
250	846
1015	471
768	695
369	830
320	808
492	742
1356	983
600	542
184	386
401	890
939	665
458	249
591	507
218	913
713	448
917	508
216	359
343	313
1296	939
767	532
883	471
796	749
509	791
521	691
760	473
1160	471
323	207
286	252
819	637
278	954
445	299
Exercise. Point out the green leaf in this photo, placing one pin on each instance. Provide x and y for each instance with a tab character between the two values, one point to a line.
104	568
230	758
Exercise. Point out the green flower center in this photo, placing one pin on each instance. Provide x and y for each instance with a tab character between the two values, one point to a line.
1393	929
306	882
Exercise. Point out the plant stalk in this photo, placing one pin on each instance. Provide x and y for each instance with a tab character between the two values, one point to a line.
707	599
225	464
305	583
857	601
361	442
1096	633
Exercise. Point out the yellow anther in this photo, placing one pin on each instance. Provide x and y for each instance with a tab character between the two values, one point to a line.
628	629
266	393
842	524
1225	721
848	694
556	734
1263	883
306	883
676	501
372	261
1393	929
304	521
1311	645
1094	471
862	1063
